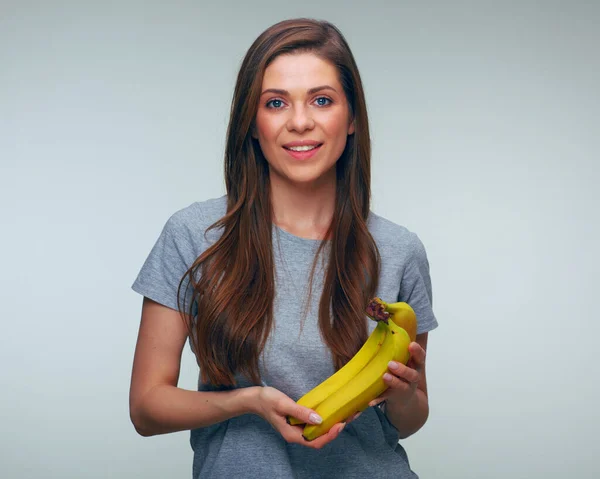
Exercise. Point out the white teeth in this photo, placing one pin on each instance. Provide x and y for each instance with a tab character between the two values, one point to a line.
302	148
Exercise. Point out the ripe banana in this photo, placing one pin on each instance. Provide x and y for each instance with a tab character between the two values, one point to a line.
334	382
401	314
367	385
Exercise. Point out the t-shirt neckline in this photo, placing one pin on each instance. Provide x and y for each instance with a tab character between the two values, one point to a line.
297	239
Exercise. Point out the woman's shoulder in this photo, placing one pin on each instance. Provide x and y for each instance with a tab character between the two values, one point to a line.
397	244
199	215
388	233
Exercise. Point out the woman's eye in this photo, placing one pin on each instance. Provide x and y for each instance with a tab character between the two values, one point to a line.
320	103
278	105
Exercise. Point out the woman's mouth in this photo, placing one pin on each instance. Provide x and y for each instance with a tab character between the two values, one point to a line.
303	152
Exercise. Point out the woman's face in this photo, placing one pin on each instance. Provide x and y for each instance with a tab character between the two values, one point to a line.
308	105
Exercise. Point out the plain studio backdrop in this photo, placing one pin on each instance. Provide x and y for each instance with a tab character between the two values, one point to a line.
485	130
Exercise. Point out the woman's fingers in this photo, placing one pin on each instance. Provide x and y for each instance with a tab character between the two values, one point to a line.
417	354
399	370
326	438
378	400
353	417
288	407
400	376
305	414
396	383
293	434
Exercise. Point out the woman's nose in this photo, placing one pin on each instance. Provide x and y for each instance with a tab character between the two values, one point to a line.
300	119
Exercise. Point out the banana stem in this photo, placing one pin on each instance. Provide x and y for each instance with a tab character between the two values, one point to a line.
376	310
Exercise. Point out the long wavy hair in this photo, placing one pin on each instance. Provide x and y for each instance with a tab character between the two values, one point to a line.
232	282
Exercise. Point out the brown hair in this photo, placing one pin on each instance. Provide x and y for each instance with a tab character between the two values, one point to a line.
232	282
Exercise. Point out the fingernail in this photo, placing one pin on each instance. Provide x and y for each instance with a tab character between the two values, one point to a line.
387	377
315	418
342	428
393	365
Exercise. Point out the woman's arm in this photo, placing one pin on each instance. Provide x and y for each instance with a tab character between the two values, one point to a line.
407	407
156	404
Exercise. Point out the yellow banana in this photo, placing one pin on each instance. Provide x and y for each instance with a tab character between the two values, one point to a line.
334	382
400	313
395	307
404	316
367	385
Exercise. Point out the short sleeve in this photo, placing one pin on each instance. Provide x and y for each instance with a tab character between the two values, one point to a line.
171	256
415	286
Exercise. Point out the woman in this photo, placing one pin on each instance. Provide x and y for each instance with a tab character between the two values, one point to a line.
270	281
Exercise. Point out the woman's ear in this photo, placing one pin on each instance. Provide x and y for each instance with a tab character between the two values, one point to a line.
351	128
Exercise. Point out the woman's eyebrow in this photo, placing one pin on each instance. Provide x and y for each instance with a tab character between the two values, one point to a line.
277	91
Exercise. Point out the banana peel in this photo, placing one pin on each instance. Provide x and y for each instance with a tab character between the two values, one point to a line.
342	394
400	313
334	382
367	385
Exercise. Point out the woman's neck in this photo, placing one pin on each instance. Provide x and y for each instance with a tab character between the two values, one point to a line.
304	212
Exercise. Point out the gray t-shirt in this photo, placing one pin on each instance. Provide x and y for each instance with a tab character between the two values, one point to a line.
295	359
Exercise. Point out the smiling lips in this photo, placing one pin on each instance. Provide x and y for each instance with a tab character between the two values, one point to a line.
302	150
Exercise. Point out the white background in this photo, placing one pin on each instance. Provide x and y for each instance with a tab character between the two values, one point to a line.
485	128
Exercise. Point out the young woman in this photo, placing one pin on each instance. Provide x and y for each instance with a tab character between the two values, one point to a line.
270	281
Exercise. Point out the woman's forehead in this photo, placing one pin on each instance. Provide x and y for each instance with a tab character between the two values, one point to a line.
300	72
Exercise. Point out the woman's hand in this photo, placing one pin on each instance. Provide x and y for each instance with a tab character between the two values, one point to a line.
274	407
402	381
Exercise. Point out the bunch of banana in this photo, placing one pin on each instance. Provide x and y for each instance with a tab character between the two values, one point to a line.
359	381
